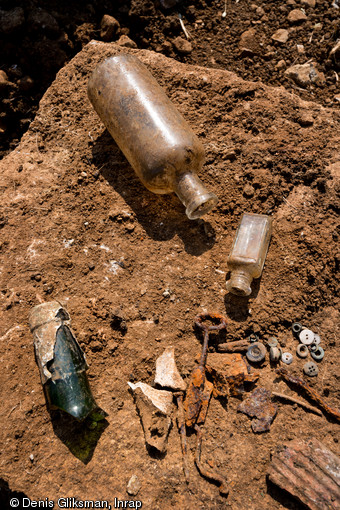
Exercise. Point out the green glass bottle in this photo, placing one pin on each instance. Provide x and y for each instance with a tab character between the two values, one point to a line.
61	361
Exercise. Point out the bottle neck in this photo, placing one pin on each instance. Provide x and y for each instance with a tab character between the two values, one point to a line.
239	283
194	196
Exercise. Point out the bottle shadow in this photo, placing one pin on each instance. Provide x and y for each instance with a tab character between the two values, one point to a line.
161	216
237	307
81	438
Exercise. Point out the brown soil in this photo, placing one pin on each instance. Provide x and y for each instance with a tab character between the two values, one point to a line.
38	46
77	225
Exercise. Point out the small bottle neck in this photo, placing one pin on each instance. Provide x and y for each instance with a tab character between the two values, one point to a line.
194	196
240	283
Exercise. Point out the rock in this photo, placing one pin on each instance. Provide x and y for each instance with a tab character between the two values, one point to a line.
300	460
305	120
109	27
4	81
166	47
300	49
25	83
308	3
229	154
10	21
335	54
126	42
40	20
281	64
248	191
260	11
304	74
291	2
182	46
133	486
281	35
296	16
248	44
154	408
167	374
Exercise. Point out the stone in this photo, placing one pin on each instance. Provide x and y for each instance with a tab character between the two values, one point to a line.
109	27
248	44
304	74
300	49
182	45
296	16
260	11
10	21
281	35
126	42
335	54
167	374
40	20
155	409
305	120
281	64
133	485
309	3
166	47
248	191
291	2
4	81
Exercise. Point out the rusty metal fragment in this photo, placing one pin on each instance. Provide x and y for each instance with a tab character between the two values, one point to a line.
197	400
182	431
260	406
229	372
312	394
309	471
196	392
237	346
206	471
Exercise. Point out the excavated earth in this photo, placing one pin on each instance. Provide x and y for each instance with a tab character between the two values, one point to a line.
78	226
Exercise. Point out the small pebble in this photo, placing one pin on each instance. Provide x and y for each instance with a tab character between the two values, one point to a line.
182	45
248	191
133	486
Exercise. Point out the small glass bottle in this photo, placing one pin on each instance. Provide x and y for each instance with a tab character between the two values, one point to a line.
61	362
248	253
152	134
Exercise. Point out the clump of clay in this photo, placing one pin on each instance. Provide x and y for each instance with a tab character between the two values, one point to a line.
155	409
167	374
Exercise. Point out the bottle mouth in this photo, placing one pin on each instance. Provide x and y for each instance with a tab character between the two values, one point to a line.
201	206
239	284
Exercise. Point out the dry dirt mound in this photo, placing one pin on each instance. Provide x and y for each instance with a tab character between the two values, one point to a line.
77	225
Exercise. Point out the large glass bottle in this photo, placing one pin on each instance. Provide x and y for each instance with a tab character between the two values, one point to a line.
248	253
153	135
61	361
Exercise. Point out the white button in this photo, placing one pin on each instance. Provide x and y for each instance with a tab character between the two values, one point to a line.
317	340
306	336
287	358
